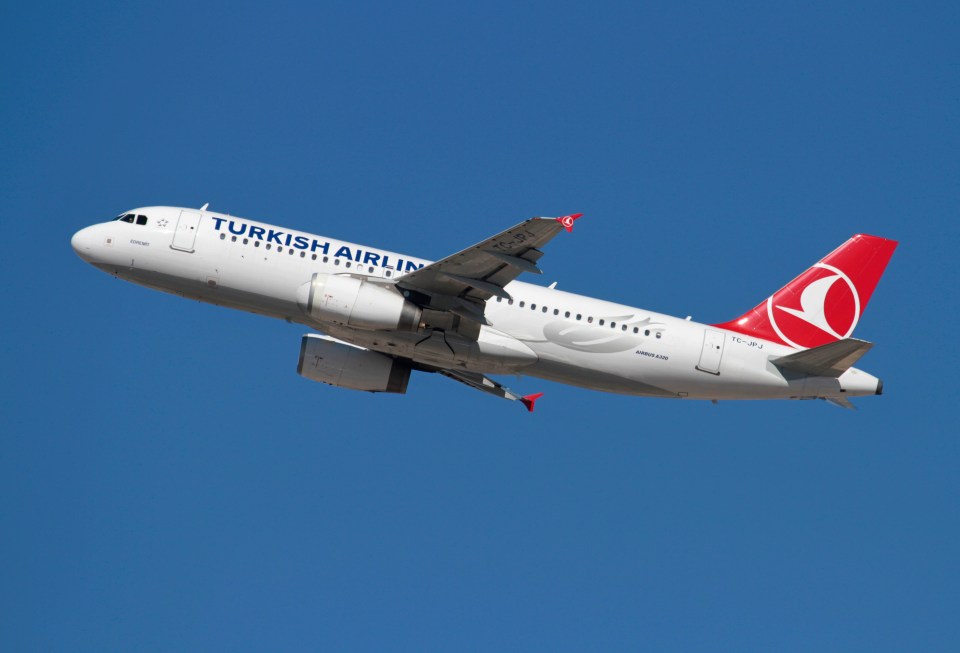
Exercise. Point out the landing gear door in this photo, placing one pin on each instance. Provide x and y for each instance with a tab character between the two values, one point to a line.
186	234
712	352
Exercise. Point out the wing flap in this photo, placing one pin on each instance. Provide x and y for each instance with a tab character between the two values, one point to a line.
843	402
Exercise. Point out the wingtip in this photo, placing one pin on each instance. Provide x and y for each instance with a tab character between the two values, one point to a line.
568	220
530	400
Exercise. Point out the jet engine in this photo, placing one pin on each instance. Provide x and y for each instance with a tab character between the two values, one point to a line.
349	301
346	366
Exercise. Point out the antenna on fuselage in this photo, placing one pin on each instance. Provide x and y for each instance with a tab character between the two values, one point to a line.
204	207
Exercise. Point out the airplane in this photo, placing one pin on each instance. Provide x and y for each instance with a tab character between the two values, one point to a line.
376	316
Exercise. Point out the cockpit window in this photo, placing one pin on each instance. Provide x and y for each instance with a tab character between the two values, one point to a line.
131	218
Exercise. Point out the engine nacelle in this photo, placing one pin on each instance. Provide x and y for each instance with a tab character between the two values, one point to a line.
351	367
349	301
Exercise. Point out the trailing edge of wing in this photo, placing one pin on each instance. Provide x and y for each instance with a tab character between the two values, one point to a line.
832	359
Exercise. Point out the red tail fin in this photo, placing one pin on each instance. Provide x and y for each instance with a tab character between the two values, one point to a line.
824	303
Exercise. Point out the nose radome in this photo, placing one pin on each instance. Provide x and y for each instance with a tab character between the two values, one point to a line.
82	243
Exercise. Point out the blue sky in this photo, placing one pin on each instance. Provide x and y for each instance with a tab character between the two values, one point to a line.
167	481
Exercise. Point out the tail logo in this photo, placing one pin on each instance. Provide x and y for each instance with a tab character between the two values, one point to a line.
837	316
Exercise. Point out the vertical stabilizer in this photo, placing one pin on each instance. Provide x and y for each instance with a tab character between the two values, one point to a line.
823	304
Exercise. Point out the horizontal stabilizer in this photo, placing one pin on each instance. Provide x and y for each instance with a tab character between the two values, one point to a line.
832	359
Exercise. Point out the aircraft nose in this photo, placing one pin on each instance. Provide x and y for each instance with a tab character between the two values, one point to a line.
82	243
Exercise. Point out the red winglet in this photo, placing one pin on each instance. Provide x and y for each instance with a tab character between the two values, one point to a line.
530	400
567	220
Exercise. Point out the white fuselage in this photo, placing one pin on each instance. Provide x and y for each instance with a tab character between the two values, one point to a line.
541	332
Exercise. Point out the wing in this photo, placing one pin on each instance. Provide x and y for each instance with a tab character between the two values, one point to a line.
463	282
488	385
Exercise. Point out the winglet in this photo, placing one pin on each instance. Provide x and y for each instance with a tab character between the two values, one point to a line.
568	220
530	400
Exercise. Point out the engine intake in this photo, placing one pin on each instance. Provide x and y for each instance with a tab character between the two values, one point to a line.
345	366
349	301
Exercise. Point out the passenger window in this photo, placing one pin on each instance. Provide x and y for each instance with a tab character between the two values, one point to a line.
279	250
567	314
325	258
590	319
623	328
545	309
522	304
269	245
256	243
533	307
646	332
223	236
510	302
304	255
370	269
556	311
579	316
659	335
636	329
613	325
141	219
499	299
348	264
233	239
389	273
601	322
336	261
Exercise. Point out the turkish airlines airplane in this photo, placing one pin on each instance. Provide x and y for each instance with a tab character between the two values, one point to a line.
381	315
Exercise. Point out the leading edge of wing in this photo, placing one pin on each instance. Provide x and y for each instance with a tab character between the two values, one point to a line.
481	271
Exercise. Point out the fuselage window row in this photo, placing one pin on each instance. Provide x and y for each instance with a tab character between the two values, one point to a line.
566	314
290	250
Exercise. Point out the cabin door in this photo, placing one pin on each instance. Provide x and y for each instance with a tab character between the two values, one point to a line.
712	352
186	234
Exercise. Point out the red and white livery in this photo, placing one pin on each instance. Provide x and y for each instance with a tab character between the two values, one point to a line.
376	316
